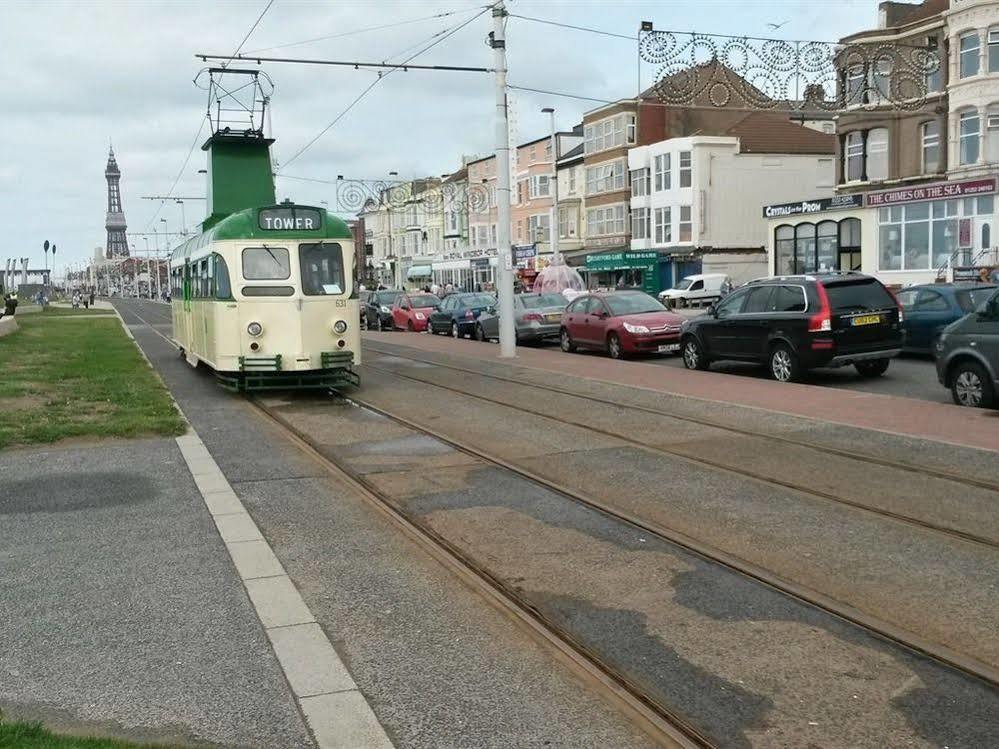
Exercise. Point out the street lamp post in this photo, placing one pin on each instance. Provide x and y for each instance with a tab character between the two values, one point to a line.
553	224
183	220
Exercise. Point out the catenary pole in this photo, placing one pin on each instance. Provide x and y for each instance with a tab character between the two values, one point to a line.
553	223
508	345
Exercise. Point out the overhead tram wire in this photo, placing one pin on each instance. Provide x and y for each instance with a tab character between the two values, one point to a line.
379	79
359	31
252	28
559	93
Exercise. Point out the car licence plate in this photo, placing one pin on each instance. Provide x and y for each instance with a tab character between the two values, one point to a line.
667	347
866	320
554	317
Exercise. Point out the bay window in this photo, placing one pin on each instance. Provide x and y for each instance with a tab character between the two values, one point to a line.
605	177
970	45
685	230
993	40
537	227
640	179
970	132
684	168
640	223
663	226
881	78
539	186
853	157
662	164
609	133
931	146
992	135
854	84
877	153
603	221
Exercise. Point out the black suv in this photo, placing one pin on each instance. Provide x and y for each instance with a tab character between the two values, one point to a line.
378	309
795	323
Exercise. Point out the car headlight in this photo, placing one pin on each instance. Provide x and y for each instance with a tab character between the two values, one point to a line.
635	328
420	316
340	327
386	310
254	329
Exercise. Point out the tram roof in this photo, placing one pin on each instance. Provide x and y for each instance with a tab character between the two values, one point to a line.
245	225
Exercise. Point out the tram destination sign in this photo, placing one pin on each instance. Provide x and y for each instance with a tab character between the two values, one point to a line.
817	205
932	192
290	219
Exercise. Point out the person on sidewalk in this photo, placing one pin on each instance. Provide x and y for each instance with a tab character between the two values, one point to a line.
92	297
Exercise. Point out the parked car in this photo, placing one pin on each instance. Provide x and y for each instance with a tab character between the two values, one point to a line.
535	318
458	313
932	307
698	289
967	354
411	311
620	323
794	323
378	309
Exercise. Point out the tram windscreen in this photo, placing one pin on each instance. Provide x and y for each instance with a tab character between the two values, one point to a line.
266	264
322	269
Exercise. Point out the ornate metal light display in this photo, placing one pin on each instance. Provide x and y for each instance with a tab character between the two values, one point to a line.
722	71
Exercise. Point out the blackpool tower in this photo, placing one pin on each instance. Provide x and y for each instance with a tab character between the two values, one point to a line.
115	224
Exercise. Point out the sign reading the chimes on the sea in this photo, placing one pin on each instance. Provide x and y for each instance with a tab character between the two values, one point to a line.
291	218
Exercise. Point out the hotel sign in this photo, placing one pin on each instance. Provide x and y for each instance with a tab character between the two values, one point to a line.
938	191
818	205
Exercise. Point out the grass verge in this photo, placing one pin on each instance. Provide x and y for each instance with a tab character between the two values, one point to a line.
61	378
33	736
51	311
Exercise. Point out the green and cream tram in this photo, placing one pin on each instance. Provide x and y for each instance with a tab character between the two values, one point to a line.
266	298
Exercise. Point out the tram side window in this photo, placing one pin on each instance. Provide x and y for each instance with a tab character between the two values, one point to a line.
203	280
266	264
223	289
322	269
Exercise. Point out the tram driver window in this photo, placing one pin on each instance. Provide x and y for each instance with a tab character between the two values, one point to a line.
322	269
266	264
223	289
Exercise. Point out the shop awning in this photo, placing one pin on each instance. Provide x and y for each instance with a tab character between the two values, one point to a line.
419	271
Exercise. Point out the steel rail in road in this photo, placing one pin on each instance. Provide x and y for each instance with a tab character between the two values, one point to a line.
665	727
877	627
817	447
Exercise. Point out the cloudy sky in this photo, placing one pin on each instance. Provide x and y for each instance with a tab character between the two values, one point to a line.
76	74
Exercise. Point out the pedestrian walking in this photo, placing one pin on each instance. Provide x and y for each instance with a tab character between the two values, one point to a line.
92	295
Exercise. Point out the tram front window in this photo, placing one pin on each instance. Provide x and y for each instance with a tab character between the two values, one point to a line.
266	264
322	269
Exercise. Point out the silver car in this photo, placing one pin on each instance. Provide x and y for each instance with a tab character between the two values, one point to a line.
536	317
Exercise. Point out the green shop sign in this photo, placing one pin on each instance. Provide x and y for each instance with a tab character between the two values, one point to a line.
621	260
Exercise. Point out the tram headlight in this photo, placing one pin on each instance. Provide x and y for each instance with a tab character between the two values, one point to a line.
340	327
254	329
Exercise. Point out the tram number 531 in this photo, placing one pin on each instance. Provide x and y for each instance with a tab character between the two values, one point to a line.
341	302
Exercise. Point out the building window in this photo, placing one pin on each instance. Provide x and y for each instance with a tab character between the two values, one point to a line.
492	233
921	236
520	229
970	45
932	78
854	84
877	153
881	79
827	245
931	146
572	181
537	227
784	251
640	223
684	168
853	157
804	247
663	226
609	133
992	135
969	137
685	224
605	177
603	221
662	164
640	179
849	244
994	50
540	187
568	218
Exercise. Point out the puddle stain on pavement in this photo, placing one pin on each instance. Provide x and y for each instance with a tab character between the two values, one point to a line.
72	492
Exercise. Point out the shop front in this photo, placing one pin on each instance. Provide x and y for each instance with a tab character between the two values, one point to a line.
822	234
631	269
465	273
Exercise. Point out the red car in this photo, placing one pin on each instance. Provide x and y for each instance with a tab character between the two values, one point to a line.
410	311
620	323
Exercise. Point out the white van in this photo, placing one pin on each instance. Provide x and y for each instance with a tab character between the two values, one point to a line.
701	289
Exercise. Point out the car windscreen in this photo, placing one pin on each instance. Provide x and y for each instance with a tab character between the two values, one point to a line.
632	304
322	269
424	300
971	299
532	301
477	300
858	296
684	283
386	297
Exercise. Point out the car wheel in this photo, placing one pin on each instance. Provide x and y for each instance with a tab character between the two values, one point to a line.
565	341
480	334
874	368
693	355
455	330
784	365
614	346
970	386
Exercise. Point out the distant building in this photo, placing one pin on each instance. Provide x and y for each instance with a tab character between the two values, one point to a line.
117	243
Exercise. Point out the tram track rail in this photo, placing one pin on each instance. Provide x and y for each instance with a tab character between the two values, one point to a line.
718	465
664	726
876	626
